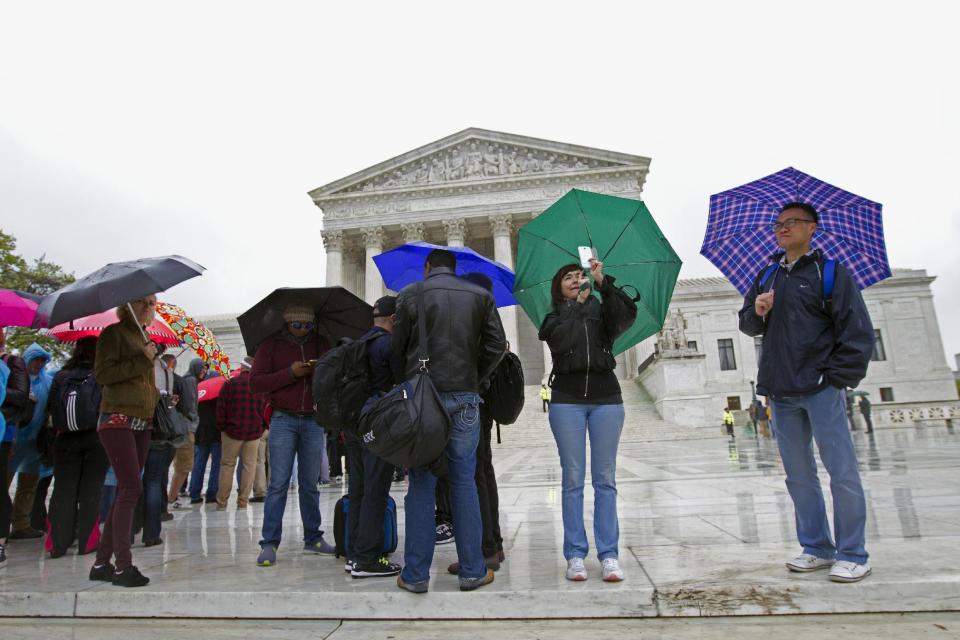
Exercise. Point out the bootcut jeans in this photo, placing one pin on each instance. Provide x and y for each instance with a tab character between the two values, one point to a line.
798	422
421	532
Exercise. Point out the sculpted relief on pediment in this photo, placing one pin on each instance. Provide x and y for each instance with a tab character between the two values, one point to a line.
477	160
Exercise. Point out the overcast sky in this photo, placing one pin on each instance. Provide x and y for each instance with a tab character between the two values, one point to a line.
129	129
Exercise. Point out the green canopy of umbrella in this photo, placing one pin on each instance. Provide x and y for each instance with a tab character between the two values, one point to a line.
627	241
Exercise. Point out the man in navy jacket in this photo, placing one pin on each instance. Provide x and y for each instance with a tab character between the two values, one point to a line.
814	347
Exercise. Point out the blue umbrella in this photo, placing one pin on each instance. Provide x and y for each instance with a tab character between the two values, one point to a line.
739	238
404	265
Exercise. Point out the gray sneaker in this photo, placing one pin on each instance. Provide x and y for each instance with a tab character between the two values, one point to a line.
267	557
321	546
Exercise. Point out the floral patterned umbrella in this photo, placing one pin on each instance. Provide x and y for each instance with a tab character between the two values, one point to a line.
195	336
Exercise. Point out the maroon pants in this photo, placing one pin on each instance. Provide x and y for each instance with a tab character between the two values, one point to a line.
127	451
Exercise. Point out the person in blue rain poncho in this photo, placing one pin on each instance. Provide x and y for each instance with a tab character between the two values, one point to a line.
25	460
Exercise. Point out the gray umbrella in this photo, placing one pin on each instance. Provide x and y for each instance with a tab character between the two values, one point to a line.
113	285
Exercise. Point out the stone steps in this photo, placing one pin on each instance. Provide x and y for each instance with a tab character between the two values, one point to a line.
643	423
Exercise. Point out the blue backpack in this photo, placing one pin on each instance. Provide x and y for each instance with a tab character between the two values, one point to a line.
827	280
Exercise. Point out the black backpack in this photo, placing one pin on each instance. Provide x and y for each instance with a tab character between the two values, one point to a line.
77	405
504	399
341	384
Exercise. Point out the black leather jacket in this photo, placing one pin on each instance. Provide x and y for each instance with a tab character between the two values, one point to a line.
464	333
581	336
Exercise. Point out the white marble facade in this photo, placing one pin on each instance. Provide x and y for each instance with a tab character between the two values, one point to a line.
474	188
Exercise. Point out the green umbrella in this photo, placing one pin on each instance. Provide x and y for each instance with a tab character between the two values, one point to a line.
628	242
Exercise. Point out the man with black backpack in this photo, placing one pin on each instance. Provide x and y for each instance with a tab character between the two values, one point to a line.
80	463
817	341
369	476
465	344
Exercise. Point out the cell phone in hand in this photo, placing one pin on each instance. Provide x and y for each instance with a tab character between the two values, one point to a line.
586	254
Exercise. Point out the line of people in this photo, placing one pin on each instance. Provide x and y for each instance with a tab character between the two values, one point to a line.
817	341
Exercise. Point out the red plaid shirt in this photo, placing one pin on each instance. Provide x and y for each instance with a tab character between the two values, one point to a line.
239	412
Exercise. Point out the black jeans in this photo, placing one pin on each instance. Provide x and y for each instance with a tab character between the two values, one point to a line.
6	505
154	471
487	488
80	464
369	487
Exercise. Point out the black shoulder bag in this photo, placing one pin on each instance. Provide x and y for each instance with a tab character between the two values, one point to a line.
408	426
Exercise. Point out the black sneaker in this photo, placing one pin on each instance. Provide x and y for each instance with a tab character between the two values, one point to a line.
130	577
444	533
348	566
381	568
103	573
3	556
258	498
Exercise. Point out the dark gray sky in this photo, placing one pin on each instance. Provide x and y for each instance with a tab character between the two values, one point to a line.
198	128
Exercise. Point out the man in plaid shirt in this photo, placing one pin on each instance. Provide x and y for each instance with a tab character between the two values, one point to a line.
240	420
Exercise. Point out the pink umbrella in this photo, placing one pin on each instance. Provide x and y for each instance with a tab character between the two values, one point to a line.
17	309
91	326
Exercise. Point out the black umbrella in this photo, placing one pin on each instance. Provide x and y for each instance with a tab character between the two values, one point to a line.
339	313
112	286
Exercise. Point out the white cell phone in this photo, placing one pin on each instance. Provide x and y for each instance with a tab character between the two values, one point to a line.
586	254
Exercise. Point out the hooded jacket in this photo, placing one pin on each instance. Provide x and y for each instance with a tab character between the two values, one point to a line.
189	399
809	343
26	458
17	395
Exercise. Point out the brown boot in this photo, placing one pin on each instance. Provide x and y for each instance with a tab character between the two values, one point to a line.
469	584
493	562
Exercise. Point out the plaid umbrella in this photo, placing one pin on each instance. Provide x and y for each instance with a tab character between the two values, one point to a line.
739	239
195	336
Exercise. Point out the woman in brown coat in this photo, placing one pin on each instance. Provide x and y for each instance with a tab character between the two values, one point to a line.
124	369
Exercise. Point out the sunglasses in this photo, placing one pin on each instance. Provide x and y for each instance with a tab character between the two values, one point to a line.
302	325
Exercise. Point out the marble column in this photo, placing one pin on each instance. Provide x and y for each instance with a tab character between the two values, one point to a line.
412	232
373	238
456	229
501	226
333	243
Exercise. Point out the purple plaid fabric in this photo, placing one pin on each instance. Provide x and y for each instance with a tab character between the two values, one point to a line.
740	241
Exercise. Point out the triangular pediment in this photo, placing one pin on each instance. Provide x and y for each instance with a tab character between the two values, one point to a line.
475	155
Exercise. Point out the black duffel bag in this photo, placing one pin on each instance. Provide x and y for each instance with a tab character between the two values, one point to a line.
408	426
169	425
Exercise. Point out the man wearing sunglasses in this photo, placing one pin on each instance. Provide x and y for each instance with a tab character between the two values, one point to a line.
283	370
815	345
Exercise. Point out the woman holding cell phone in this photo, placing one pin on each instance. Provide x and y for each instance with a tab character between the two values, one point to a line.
587	401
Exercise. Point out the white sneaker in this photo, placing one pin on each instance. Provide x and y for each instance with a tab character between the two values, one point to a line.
612	571
575	570
805	563
181	503
845	571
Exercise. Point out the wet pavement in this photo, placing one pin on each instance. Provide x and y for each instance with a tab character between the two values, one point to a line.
706	525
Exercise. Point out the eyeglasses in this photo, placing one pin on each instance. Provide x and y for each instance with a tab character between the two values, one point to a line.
788	223
302	325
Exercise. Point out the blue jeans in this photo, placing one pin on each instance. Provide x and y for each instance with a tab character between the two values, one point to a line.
421	528
158	461
797	421
570	424
201	454
293	437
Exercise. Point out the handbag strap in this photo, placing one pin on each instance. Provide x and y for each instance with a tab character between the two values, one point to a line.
423	356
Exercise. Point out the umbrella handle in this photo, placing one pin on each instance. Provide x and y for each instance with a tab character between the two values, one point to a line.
134	316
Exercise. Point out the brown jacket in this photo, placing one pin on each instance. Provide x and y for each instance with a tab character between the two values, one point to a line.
125	374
